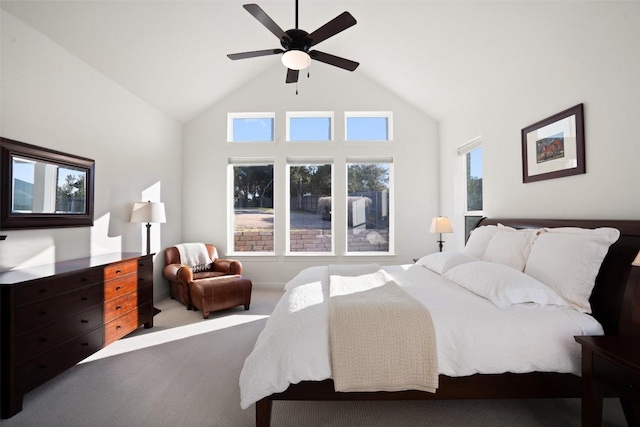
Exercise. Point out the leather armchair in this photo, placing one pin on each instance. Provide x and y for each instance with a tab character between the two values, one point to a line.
180	275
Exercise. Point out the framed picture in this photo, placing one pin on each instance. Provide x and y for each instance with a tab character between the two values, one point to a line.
554	147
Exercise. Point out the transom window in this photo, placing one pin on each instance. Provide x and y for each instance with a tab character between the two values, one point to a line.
309	126
368	126
251	127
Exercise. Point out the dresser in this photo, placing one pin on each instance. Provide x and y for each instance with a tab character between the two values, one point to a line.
53	316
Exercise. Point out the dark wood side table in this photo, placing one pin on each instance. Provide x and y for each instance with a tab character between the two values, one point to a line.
611	366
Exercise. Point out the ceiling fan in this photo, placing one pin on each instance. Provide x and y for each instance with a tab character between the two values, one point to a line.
296	43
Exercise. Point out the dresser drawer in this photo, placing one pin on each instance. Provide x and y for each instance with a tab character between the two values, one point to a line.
51	286
119	287
55	309
40	369
123	268
44	339
117	307
120	327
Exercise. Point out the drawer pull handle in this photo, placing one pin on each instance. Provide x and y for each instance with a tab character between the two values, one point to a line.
42	313
43	340
118	271
118	327
84	320
118	288
84	298
118	307
42	291
42	366
84	279
84	344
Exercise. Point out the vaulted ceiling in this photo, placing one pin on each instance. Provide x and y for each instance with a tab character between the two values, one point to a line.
434	54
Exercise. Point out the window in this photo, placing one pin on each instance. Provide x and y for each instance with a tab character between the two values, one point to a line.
253	211
309	126
472	159
250	127
368	206
310	199
368	126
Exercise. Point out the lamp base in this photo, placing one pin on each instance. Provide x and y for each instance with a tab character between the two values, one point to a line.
148	238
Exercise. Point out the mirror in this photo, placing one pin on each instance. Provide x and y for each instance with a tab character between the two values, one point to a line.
44	188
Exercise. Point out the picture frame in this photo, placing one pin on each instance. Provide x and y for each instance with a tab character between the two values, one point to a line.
554	147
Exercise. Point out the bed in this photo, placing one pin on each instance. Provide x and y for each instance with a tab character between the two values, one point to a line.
611	305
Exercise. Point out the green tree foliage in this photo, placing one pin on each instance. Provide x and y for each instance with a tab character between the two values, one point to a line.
70	196
368	177
253	183
310	180
474	193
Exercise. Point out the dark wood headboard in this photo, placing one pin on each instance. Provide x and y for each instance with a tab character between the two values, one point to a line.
615	299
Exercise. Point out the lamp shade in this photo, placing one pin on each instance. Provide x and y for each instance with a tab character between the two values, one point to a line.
636	261
441	224
148	212
296	59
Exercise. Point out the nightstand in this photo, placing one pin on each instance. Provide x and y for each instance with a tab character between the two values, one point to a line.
611	365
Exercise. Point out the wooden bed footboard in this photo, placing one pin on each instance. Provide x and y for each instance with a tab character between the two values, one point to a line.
498	386
614	305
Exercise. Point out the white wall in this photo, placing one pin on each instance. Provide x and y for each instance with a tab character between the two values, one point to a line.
414	150
52	99
580	52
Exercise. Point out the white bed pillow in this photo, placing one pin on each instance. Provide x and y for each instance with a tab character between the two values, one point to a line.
502	285
479	239
510	247
440	262
568	260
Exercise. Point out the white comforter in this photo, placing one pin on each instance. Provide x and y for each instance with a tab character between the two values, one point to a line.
473	335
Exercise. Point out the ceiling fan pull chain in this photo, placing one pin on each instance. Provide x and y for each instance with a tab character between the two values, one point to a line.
296	87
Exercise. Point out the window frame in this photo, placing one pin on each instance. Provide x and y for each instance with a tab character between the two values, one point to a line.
247	162
463	150
306	161
310	115
351	160
254	115
369	114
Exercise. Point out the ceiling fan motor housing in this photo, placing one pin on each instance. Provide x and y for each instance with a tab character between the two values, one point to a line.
298	40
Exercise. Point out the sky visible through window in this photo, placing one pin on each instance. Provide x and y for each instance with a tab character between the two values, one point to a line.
253	129
310	129
475	160
367	129
261	129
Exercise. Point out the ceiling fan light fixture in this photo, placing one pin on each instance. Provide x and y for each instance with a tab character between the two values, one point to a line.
296	59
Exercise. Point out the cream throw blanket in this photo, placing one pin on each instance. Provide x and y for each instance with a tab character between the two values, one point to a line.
382	339
195	255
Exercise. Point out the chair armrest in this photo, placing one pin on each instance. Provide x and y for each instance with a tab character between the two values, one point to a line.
227	266
178	273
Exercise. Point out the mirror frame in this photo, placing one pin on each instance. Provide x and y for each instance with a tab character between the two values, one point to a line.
12	221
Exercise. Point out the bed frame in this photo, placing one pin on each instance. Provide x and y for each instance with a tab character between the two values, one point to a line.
615	302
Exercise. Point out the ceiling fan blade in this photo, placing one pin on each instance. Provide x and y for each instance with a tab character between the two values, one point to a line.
292	75
334	60
331	28
255	53
265	20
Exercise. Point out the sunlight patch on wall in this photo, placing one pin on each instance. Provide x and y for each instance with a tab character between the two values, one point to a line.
101	243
